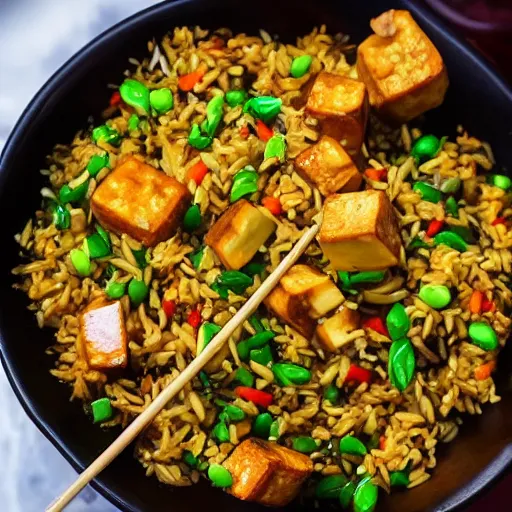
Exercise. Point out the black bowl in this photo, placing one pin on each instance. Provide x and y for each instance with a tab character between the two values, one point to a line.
478	99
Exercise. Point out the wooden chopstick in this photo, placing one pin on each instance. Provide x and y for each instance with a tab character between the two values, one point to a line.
174	387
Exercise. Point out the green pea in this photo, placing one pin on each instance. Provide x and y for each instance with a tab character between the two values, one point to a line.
451	239
262	355
234	413
61	217
451	207
275	430
97	163
196	257
190	459
236	97
244	377
96	247
197	140
276	147
291	374
136	95
300	66
427	192
137	291
425	148
192	219
221	432
101	410
365	497
397	321
106	134
401	364
81	262
483	335
501	181
259	340
435	295
304	444
245	182
332	393
330	486
352	446
265	108
133	122
346	494
220	476
206	333
161	100
214	113
73	195
261	425
398	479
370	276
115	290
235	281
450	186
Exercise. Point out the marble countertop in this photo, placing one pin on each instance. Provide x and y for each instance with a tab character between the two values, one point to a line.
37	37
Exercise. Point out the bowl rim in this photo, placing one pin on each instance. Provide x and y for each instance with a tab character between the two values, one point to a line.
465	494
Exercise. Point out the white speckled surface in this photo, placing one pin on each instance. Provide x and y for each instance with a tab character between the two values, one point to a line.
36	38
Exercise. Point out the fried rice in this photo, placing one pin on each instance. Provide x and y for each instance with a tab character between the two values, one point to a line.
401	429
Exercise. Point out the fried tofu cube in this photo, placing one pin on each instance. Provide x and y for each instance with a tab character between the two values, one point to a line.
266	472
329	167
137	199
401	67
239	233
302	296
360	231
341	106
103	334
332	333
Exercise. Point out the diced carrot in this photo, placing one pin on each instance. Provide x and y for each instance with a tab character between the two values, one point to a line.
263	131
377	324
272	204
488	305
382	443
197	172
434	227
187	82
484	371
475	302
498	220
244	132
376	174
357	374
115	99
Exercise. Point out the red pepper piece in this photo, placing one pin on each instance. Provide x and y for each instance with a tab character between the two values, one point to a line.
382	443
498	220
115	99
377	324
272	204
197	172
254	395
194	318
244	132
169	307
358	374
376	174
263	131
186	82
487	305
434	227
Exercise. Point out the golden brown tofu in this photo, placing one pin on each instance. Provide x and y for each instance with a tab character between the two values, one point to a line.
331	334
360	231
140	201
266	472
239	233
303	295
402	69
329	167
103	333
341	106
